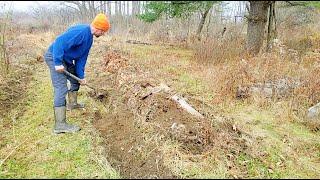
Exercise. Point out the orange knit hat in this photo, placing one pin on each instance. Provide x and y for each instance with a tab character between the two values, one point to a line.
101	22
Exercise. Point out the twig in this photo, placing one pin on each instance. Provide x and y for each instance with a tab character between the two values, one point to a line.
2	162
3	102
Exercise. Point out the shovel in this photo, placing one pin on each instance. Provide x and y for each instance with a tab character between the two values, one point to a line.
99	95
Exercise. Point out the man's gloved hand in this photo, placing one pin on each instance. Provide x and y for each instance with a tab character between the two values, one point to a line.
83	82
59	68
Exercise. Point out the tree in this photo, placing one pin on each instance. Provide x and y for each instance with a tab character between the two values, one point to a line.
128	7
179	9
116	8
272	28
134	7
204	10
86	9
120	8
257	19
109	8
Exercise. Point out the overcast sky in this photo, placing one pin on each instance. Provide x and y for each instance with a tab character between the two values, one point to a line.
25	5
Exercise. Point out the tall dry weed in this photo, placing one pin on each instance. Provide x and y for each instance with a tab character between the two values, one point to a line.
296	59
219	50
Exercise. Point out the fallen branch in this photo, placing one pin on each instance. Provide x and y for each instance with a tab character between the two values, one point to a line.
3	102
137	42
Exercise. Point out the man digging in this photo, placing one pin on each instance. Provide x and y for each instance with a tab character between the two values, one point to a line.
69	52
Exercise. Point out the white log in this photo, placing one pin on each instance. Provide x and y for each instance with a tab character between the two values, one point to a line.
186	106
181	101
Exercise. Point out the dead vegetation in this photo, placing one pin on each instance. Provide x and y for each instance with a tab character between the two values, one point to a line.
25	51
250	110
137	117
157	133
288	72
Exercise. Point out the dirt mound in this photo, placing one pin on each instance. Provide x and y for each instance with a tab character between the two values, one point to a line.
138	125
171	120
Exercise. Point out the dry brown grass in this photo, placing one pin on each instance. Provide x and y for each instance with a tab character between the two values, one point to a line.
220	50
302	39
296	59
300	35
269	68
270	127
24	52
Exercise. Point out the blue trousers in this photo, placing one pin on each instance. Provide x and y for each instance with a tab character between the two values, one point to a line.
59	81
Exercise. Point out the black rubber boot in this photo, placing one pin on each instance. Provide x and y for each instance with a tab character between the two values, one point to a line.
72	101
61	126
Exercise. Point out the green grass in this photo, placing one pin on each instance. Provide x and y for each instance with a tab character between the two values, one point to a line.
189	85
38	153
171	70
315	4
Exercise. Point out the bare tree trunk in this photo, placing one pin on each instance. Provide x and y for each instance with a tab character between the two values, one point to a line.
116	8
128	12
91	9
3	49
124	10
84	11
109	8
202	21
208	24
275	33
134	8
271	25
102	7
120	8
167	27
139	7
94	10
257	19
188	30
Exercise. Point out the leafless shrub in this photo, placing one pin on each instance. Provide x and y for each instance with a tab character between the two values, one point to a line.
220	49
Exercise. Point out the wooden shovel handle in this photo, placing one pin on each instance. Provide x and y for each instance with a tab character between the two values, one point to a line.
75	77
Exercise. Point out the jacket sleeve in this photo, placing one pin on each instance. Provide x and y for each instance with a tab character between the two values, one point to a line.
63	43
80	65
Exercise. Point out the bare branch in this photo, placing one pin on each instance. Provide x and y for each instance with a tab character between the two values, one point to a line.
296	3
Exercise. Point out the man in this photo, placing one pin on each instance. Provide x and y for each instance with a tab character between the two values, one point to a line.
69	52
